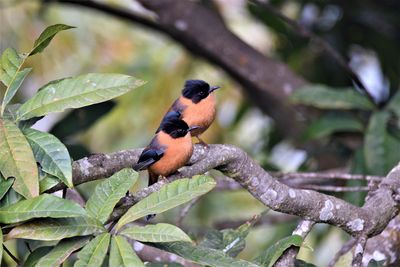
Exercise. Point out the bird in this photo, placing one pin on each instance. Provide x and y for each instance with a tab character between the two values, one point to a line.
169	150
196	106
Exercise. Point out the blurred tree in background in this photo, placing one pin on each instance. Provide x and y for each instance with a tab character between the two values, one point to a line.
302	110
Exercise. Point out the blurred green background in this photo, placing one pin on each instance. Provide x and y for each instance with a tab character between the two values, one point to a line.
365	31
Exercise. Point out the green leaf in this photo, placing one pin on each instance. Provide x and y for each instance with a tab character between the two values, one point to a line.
230	241
56	229
93	254
10	62
161	232
40	207
47	181
168	197
109	192
62	251
51	154
394	104
14	86
203	256
46	36
35	256
380	148
76	92
324	97
122	254
10	198
16	160
275	251
11	75
327	125
5	185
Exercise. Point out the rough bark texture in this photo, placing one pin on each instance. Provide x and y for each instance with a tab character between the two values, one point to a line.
380	207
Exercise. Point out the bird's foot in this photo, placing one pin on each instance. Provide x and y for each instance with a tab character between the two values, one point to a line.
150	217
201	142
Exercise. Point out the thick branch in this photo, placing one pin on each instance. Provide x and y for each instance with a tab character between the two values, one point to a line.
371	219
267	82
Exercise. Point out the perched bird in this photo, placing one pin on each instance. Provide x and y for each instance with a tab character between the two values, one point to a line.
169	150
196	106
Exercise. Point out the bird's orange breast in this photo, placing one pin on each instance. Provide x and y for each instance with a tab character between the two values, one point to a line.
201	114
177	153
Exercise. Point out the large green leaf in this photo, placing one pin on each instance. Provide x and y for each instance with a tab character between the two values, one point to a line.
169	196
62	251
5	185
327	125
93	254
76	92
35	256
380	148
46	36
56	229
203	256
161	232
324	97
40	207
11	74
273	253
16	160
109	192
51	154
230	241
122	254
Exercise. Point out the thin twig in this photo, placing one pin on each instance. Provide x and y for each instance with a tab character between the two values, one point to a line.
11	255
345	248
326	175
331	188
185	210
306	33
359	251
303	229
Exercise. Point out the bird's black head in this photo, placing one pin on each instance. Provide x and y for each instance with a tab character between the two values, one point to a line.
196	90
176	127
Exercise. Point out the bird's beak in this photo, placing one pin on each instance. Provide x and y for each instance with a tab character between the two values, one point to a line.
194	127
213	88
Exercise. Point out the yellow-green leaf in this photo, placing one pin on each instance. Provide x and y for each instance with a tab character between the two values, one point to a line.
46	36
161	232
76	92
122	254
93	254
40	207
51	154
56	229
17	160
62	251
107	194
169	196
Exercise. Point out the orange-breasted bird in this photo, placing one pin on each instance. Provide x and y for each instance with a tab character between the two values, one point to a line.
196	106
169	150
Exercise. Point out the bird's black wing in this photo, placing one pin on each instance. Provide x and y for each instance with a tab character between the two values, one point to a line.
148	157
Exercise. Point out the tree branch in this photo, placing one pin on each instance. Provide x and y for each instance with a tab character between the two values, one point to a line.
267	82
380	207
288	257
